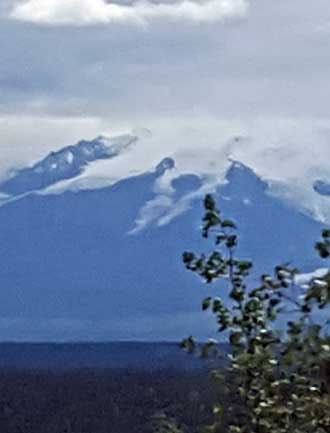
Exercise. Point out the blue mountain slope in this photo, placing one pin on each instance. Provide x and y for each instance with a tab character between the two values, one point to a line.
70	270
271	231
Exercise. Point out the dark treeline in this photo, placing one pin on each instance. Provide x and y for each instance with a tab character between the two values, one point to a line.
103	401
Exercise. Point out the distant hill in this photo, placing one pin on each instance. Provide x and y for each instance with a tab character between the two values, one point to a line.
116	356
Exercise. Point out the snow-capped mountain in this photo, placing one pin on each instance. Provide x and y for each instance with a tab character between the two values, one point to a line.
106	263
66	163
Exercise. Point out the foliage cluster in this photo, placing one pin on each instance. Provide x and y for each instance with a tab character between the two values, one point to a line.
280	374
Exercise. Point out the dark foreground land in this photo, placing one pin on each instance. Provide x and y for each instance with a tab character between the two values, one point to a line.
101	387
102	401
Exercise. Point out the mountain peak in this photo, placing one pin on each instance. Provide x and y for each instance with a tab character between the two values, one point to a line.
164	165
237	168
66	163
102	137
244	178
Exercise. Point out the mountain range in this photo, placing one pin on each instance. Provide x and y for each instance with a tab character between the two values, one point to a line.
105	263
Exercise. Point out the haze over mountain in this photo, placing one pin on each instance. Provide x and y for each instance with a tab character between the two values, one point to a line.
105	263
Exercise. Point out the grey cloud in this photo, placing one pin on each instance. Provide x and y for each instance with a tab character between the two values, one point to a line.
271	63
91	12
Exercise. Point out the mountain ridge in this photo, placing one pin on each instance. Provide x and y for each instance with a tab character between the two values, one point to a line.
71	268
66	163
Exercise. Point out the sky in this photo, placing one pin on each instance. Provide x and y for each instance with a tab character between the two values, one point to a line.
194	73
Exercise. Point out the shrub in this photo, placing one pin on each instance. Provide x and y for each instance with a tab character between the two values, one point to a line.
279	375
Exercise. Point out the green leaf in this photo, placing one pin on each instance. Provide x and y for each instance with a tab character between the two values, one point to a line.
228	223
206	303
188	257
189	344
235	338
244	265
326	233
231	241
217	305
209	203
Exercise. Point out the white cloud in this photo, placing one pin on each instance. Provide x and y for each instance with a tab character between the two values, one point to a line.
291	153
89	12
152	211
164	207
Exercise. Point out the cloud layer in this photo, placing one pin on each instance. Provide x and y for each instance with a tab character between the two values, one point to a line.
90	12
265	79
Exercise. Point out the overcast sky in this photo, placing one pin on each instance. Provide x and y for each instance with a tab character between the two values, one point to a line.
194	73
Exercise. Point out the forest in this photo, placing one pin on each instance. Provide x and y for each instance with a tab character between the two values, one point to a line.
104	401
